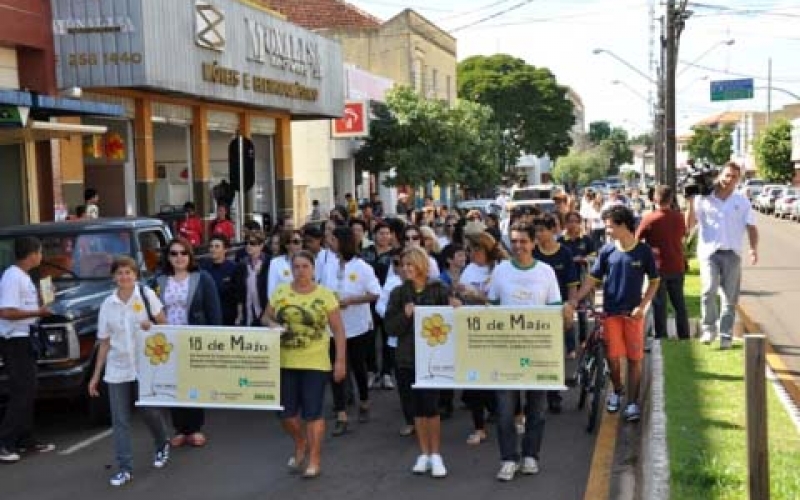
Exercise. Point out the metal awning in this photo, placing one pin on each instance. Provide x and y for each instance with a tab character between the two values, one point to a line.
44	131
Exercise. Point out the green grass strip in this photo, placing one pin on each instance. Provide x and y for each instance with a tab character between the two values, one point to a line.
706	436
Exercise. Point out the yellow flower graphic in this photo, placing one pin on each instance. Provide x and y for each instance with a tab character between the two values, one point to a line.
353	277
157	349
137	307
435	330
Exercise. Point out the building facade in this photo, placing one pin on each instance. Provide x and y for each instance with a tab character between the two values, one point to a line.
191	77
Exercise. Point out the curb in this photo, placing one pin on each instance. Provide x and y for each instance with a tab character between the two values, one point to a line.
653	472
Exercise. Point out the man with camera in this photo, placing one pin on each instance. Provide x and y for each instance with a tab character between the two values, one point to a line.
722	216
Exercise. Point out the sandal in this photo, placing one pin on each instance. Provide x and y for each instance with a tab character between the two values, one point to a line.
197	439
178	440
312	472
476	438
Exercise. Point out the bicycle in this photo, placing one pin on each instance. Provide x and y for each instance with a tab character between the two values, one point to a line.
592	372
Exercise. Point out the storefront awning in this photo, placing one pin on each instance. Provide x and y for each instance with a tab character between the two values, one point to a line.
45	106
44	131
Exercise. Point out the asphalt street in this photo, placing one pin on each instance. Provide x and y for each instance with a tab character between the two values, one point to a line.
771	289
247	453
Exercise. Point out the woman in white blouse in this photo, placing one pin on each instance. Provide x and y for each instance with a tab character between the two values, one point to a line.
122	315
280	267
356	286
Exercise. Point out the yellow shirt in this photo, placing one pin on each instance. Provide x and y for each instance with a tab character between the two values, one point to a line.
305	344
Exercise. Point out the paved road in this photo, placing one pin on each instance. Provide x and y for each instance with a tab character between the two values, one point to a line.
247	452
771	289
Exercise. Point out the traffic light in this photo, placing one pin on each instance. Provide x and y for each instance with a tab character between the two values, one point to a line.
249	158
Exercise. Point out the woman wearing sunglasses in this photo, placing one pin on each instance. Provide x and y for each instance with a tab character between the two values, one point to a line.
250	281
412	237
190	297
280	267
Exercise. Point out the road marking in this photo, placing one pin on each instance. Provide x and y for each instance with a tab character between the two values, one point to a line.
599	484
85	443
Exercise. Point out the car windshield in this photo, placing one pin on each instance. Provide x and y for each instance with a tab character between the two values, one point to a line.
532	194
74	255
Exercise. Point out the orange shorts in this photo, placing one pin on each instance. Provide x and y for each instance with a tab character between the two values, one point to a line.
624	337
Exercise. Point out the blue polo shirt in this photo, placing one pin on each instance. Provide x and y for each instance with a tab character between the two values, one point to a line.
563	264
622	272
580	247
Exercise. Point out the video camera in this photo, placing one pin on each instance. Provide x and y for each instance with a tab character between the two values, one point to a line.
699	180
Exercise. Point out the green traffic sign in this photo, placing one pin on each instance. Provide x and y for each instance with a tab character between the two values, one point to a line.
731	90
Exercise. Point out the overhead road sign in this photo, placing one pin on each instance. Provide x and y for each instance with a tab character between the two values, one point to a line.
731	90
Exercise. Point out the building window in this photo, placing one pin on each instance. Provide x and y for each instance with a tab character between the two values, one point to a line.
434	90
449	89
417	76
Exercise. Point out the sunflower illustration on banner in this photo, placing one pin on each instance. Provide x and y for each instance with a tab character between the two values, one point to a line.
434	345
157	349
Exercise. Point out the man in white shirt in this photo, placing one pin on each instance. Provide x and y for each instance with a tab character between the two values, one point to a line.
19	309
722	218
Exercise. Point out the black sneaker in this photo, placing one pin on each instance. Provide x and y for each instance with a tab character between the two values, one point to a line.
8	456
162	456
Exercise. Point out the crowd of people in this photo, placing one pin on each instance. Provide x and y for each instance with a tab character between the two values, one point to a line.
344	291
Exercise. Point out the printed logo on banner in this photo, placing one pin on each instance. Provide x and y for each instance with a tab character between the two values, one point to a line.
209	26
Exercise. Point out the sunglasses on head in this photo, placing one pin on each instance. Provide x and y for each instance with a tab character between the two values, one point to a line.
175	253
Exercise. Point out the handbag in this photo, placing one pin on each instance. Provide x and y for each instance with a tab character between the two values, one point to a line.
146	304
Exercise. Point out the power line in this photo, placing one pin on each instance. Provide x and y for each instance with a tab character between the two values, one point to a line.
493	16
556	18
743	75
473	11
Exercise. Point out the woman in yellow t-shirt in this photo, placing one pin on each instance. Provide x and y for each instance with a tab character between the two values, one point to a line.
305	310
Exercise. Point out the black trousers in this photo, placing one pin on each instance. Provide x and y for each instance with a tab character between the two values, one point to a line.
188	420
670	285
20	366
357	363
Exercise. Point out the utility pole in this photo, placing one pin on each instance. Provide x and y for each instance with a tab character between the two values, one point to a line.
659	134
675	22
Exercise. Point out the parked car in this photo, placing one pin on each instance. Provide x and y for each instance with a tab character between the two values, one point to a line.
77	257
765	203
784	206
751	193
484	206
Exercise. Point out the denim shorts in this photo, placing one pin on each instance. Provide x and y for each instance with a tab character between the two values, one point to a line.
303	392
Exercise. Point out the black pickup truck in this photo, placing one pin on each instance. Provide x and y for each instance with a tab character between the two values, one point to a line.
77	257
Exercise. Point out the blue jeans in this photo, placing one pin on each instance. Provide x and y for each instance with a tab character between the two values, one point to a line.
720	272
120	396
534	408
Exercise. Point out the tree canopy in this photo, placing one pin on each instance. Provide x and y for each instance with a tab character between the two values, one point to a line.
618	149
531	109
711	145
599	131
580	168
426	140
773	152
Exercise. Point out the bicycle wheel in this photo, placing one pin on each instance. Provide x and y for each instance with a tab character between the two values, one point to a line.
599	378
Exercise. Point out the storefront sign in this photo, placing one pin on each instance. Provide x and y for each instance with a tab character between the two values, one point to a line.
209	367
489	347
221	50
354	122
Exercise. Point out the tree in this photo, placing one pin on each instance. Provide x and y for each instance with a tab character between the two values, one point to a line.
711	145
580	168
598	131
530	107
425	140
645	139
618	149
773	152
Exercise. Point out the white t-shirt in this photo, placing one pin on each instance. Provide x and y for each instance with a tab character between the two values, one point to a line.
325	266
120	321
721	224
392	282
356	279
280	271
534	286
593	216
17	291
477	277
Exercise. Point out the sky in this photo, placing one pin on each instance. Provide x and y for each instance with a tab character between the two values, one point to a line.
562	35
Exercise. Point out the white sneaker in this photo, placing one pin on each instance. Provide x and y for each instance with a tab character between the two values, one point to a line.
632	413
422	465
437	466
507	471
375	381
613	402
725	342
529	466
388	383
708	337
121	478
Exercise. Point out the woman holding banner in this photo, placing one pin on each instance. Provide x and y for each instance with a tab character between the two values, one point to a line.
122	314
485	253
416	290
304	310
190	298
522	281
